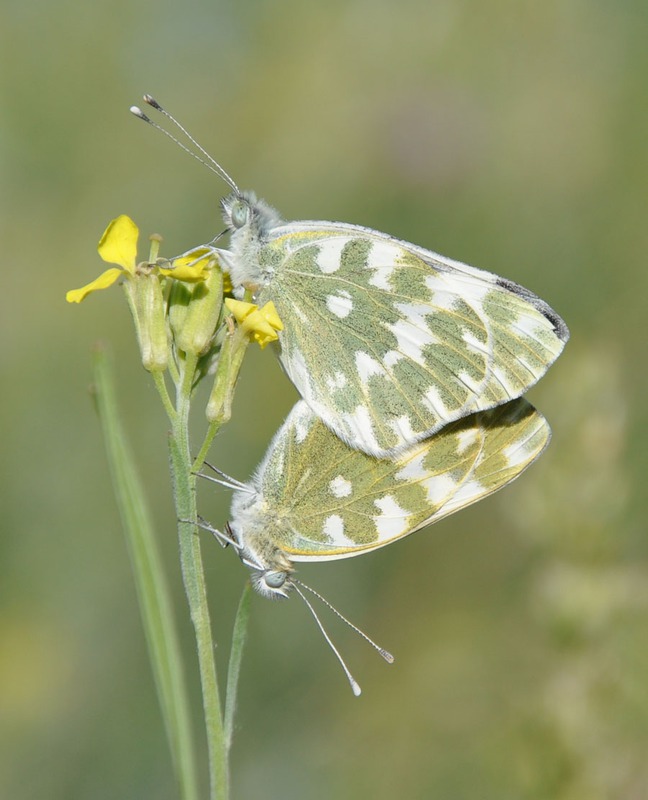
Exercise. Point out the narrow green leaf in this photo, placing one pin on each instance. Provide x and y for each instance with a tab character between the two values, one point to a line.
236	653
193	576
152	589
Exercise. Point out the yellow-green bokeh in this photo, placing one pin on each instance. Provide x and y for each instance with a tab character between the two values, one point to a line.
511	135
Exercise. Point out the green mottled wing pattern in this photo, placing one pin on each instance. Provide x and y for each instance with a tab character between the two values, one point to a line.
318	499
388	342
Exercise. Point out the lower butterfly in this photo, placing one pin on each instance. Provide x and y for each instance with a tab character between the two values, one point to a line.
313	498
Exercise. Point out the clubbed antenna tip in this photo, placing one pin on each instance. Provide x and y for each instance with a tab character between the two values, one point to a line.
151	101
205	159
137	111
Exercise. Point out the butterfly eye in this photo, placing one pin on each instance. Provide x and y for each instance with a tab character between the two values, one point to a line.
239	213
274	580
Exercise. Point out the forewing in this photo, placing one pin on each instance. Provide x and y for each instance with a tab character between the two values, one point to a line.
388	342
326	500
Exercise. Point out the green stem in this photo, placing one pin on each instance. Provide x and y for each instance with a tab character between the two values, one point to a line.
173	370
185	385
202	454
152	589
193	576
161	386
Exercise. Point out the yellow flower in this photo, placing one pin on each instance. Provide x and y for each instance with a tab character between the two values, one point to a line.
191	267
118	245
261	323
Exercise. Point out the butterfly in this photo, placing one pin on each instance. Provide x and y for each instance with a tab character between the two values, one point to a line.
313	498
386	341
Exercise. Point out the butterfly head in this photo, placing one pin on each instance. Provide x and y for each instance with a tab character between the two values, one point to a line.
270	568
243	210
271	583
249	222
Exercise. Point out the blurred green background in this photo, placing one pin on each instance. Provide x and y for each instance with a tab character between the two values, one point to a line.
511	135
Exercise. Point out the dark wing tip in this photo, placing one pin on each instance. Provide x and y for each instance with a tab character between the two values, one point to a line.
558	323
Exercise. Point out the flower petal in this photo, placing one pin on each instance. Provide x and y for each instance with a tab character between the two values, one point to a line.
118	244
269	312
240	309
261	323
191	273
192	266
105	280
262	331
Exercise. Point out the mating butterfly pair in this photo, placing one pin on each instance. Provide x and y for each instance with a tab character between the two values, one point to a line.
411	367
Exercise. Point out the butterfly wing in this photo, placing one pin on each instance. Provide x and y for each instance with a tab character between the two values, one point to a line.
388	342
323	500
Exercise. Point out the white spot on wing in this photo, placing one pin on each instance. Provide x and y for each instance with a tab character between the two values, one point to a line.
473	342
528	323
382	260
466	438
468	493
502	378
439	488
301	419
340	487
392	520
330	253
441	297
414	470
472	288
298	372
367	366
516	454
337	381
433	402
402	427
333	527
360	430
340	304
391	358
470	383
412	332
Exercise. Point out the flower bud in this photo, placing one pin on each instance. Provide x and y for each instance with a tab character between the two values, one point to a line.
147	302
195	325
179	299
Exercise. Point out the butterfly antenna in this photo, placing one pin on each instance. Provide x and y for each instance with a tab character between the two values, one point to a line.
389	658
355	686
210	162
235	485
224	480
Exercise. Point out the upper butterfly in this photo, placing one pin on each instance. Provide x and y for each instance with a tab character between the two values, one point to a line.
387	342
